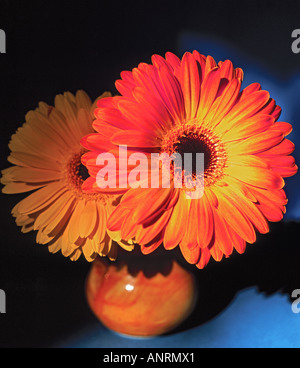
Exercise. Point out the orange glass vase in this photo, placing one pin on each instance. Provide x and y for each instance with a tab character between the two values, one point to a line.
140	296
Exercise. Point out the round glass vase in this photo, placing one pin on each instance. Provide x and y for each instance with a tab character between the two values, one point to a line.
141	296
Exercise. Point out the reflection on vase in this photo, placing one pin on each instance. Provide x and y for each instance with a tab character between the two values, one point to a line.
140	296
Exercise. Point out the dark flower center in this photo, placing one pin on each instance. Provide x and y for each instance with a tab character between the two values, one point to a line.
193	143
83	172
193	139
76	173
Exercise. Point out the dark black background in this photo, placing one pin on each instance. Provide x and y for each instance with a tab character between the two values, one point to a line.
55	46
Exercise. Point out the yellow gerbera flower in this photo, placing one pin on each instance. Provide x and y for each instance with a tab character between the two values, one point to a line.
46	154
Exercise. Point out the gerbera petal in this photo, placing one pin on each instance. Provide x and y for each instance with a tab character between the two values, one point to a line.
190	84
11	188
160	201
249	160
268	205
246	108
45	217
247	208
100	229
255	144
283	165
190	239
239	223
173	92
34	175
209	91
276	113
215	251
285	172
222	241
173	60
88	250
84	116
152	245
139	118
55	245
204	258
280	161
191	255
227	70
239	243
88	219
158	61
146	234
174	233
97	143
149	80
60	219
254	87
283	127
286	147
42	238
209	64
256	176
116	218
205	221
40	198
28	160
248	128
129	228
134	138
68	109
83	100
239	74
160	117
74	233
112	116
225	103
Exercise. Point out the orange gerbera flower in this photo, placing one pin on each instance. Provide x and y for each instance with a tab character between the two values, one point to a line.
46	152
188	106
